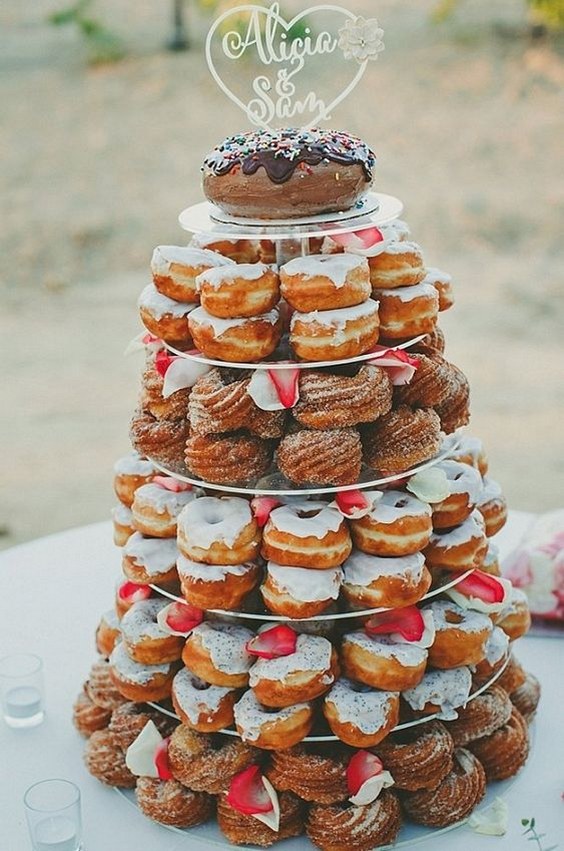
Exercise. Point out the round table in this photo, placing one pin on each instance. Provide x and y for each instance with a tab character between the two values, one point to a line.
54	591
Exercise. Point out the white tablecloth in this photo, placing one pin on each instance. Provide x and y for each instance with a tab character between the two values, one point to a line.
53	592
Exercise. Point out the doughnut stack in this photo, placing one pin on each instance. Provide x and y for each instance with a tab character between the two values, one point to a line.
335	662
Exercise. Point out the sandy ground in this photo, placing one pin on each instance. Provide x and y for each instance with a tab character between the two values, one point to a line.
97	162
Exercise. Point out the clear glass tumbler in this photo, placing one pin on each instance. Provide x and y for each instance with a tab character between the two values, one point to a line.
21	690
52	809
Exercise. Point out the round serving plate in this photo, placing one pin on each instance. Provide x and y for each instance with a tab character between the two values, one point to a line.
405	726
334	616
277	485
282	358
376	208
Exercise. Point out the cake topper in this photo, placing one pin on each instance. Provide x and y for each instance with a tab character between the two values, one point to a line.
279	95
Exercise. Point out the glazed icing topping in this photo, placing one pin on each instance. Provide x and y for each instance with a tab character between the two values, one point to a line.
363	569
304	584
280	152
164	256
406	294
492	555
250	715
403	247
338	318
313	653
111	620
448	689
212	519
161	500
132	671
517	600
469	445
435	275
122	515
491	491
306	519
336	267
393	505
462	479
497	646
159	305
194	696
361	706
134	465
220	326
154	555
398	229
471	529
465	620
225	644
430	485
228	274
140	621
202	240
196	571
408	655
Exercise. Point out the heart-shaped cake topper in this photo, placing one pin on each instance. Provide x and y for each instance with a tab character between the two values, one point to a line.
283	49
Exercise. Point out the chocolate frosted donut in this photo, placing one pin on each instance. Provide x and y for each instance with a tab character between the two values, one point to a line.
287	173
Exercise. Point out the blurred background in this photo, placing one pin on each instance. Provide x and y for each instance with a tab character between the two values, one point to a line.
104	130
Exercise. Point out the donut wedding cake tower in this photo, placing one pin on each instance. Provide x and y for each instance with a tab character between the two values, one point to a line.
311	637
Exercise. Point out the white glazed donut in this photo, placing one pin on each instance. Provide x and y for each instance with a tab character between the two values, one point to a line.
465	487
399	265
148	561
216	586
492	505
123	524
268	729
461	548
298	592
496	652
131	472
379	662
240	340
306	534
218	530
143	637
460	635
200	705
515	617
471	451
346	332
407	311
239	290
139	682
325	281
300	676
359	716
175	269
398	524
155	509
441	692
374	582
164	317
216	653
442	282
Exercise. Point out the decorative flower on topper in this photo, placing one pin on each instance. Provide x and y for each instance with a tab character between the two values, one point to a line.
361	39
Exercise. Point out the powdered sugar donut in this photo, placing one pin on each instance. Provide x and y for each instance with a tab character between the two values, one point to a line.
359	716
148	561
272	729
442	282
144	639
239	290
299	592
441	692
301	676
123	524
202	706
492	505
398	524
465	488
165	318
400	265
306	534
138	682
241	340
216	653
460	635
325	281
175	269
461	548
218	530
333	334
374	582
382	663
216	586
407	311
130	472
155	508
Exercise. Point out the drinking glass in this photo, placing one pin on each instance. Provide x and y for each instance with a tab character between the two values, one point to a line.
21	690
52	809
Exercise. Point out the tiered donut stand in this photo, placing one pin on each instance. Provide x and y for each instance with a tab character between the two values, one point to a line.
292	239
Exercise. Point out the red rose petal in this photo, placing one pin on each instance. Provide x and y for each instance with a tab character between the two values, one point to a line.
161	761
131	592
362	766
182	617
170	484
277	641
262	506
286	384
162	362
247	794
481	585
351	501
407	622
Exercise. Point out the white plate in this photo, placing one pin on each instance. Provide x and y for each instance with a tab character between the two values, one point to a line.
375	209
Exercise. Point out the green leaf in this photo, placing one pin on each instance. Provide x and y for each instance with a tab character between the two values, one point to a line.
532	822
524	822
